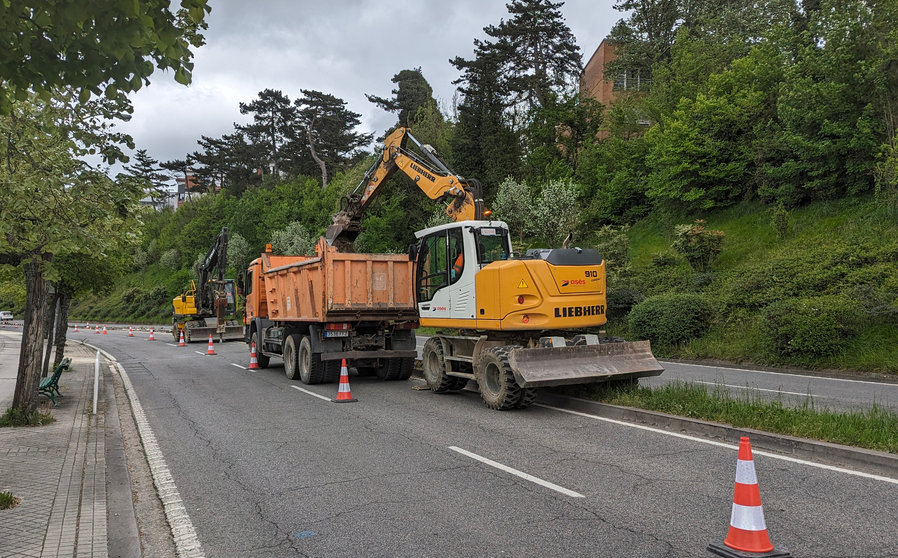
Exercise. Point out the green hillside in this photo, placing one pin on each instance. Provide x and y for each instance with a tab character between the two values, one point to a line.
824	296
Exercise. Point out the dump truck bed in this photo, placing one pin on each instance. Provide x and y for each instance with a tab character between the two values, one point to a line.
337	286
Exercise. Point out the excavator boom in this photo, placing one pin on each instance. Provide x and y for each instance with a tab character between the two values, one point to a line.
430	174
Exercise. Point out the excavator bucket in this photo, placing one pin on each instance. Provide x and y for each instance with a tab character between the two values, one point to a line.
580	364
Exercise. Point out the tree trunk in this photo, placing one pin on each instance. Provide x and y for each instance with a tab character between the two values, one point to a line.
50	310
317	159
62	326
25	397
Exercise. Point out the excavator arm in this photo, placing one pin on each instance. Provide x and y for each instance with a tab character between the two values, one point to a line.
216	260
432	176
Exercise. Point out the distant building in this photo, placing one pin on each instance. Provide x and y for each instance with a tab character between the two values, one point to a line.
594	84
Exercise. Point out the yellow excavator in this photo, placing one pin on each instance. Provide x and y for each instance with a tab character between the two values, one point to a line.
519	322
210	307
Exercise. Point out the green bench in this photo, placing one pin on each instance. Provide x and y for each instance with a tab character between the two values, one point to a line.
50	385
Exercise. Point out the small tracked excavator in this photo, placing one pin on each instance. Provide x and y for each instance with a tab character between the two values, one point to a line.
519	322
209	307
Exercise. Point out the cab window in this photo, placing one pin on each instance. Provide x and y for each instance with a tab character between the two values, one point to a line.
492	245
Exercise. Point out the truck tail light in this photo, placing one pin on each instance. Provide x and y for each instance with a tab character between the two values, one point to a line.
338	327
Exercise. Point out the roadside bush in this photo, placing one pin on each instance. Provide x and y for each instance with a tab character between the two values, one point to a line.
621	301
808	327
697	244
671	319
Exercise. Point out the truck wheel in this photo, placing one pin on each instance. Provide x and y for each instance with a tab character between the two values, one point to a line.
434	369
260	358
396	369
291	367
498	388
311	367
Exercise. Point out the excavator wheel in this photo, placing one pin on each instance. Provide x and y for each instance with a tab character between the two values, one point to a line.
528	396
291	356
498	388
434	369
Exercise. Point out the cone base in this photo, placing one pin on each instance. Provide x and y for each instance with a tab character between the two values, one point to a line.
723	550
351	400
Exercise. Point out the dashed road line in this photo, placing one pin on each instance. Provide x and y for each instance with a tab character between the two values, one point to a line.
517	473
238	366
312	393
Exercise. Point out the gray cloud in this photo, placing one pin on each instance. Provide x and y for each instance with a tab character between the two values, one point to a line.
344	47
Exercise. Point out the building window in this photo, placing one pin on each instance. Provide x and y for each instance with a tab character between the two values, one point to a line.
634	79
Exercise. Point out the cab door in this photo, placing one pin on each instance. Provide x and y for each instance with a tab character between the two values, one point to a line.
432	276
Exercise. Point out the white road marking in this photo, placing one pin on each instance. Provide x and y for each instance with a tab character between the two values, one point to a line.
755	388
517	473
238	366
312	393
199	353
780	374
723	445
171	344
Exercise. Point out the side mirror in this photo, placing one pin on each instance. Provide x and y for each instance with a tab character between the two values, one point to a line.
240	283
412	252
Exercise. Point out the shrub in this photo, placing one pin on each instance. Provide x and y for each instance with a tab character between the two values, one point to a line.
697	244
621	301
807	327
671	319
779	218
170	259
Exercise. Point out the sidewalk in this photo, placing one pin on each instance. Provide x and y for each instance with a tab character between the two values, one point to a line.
59	471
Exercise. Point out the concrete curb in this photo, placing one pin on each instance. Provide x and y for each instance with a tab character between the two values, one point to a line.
186	541
870	461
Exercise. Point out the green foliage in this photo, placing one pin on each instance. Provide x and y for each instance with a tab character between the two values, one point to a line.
779	218
556	211
808	327
239	253
7	500
16	417
170	259
697	244
670	319
46	46
614	175
411	95
514	205
294	239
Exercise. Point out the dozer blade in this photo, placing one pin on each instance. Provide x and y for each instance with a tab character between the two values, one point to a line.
580	364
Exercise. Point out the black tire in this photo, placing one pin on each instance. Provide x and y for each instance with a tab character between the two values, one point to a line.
434	369
174	330
311	367
528	396
395	369
260	358
291	354
495	380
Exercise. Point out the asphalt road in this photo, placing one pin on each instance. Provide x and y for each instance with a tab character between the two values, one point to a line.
266	469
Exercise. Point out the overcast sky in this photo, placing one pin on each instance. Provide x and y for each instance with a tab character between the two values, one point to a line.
343	47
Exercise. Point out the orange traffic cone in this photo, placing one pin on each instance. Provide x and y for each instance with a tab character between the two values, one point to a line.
181	342
97	330
152	337
747	537
76	328
104	329
253	361
130	331
211	349
343	394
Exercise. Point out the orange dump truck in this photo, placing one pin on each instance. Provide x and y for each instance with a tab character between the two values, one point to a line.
313	311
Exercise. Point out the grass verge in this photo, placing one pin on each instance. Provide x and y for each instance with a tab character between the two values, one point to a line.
876	428
15	417
7	501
